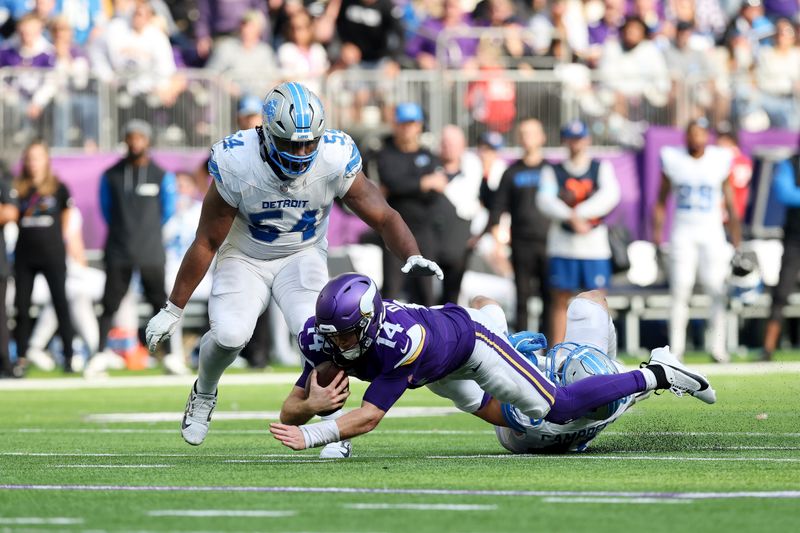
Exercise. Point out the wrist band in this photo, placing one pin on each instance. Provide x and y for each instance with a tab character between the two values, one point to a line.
320	433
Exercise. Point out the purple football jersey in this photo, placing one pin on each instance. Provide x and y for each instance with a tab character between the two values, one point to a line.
416	345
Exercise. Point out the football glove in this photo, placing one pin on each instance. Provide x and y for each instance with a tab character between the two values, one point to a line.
527	343
416	265
163	325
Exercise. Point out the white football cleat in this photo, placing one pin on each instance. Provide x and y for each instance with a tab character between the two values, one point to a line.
197	417
337	450
40	359
681	378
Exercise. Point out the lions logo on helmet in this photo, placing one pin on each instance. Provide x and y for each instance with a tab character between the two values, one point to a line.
569	362
293	122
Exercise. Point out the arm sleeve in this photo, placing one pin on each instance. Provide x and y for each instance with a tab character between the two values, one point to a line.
202	27
168	196
105	199
605	199
547	199
384	391
784	186
501	198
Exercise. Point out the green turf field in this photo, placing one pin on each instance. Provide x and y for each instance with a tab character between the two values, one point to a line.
671	464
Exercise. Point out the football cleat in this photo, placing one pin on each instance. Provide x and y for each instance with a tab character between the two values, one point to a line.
197	417
337	450
40	359
681	379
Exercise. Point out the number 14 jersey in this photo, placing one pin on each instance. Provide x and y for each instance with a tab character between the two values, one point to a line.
279	217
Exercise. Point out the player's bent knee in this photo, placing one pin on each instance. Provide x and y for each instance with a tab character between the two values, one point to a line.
479	302
595	296
229	339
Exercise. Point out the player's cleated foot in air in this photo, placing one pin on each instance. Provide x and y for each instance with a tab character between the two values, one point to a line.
337	450
681	378
197	416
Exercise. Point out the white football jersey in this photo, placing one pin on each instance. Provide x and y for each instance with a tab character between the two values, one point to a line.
558	438
697	185
278	218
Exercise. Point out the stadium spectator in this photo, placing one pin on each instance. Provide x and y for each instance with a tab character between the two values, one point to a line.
751	25
516	195
413	182
218	20
493	250
137	198
369	32
421	47
635	71
777	75
488	146
302	57
606	28
651	13
10	12
564	22
692	73
741	171
491	99
75	113
246	60
576	194
43	205
786	187
249	112
463	171
85	17
698	175
9	212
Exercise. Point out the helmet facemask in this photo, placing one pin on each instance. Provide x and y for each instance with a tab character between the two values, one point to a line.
284	154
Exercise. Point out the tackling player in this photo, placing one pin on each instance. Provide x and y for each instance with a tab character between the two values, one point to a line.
586	351
265	216
458	353
698	177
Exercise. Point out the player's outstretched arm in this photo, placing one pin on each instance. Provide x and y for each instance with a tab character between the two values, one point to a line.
366	201
216	219
355	423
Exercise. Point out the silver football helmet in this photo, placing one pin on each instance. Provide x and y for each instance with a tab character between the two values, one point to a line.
293	122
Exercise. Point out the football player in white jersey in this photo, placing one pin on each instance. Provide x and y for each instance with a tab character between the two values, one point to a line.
589	348
265	217
698	177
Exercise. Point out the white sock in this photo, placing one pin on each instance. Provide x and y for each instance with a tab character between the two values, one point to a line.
214	359
649	378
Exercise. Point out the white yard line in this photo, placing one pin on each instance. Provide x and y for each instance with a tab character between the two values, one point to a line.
284	461
786	494
566	499
419	507
39	521
175	416
582	457
192	455
207	513
288	378
111	466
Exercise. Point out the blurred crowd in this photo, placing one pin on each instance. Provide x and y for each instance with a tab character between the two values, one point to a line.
735	61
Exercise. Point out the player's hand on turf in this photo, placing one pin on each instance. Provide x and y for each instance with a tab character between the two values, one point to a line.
289	436
330	398
416	265
163	325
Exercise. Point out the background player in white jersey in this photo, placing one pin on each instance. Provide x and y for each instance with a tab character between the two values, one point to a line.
698	177
266	217
589	348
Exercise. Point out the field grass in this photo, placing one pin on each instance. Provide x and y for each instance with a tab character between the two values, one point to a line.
62	469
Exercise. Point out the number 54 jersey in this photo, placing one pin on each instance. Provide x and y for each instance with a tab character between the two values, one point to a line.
279	217
697	185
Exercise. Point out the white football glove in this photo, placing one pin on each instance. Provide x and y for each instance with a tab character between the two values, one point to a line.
163	325
416	265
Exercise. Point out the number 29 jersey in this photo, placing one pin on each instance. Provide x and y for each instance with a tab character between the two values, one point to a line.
697	185
279	217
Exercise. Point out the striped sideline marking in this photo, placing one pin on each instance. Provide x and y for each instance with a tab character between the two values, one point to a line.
221	512
288	378
419	506
787	494
38	521
561	499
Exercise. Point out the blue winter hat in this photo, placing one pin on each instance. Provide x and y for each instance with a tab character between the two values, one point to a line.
408	112
576	129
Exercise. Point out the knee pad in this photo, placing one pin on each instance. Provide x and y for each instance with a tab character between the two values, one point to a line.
229	339
589	323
